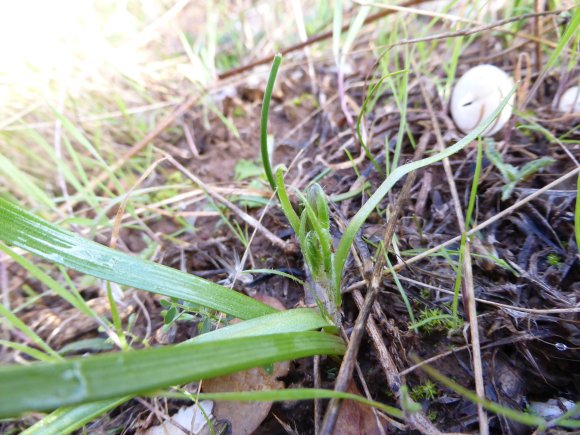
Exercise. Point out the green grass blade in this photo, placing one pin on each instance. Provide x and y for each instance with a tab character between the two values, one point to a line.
27	331
74	300
264	122
296	320
79	380
289	394
35	235
572	28
65	420
70	418
360	217
25	183
27	350
285	201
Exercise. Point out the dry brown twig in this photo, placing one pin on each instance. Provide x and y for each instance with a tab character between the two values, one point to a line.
312	40
478	29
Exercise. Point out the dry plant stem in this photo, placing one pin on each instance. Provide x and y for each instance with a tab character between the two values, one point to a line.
299	18
349	360
243	215
468	292
483	28
165	122
386	361
57	144
121	210
317	402
310	41
162	416
538	30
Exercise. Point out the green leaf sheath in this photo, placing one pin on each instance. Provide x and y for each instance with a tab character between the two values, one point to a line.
22	229
48	386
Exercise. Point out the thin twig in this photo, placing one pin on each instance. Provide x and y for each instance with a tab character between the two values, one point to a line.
468	292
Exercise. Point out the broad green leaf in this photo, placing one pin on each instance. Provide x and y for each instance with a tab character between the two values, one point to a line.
43	386
67	419
22	229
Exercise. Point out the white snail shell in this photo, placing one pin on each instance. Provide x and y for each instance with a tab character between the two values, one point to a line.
570	100
477	94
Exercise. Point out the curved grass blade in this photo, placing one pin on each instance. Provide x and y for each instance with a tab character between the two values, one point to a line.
22	229
44	387
264	122
360	217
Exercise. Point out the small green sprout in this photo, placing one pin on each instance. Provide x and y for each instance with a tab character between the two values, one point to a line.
554	259
425	391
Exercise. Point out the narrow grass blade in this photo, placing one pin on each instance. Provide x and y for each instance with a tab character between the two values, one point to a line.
79	380
285	201
70	418
27	331
35	235
27	350
74	300
358	220
289	394
264	122
25	183
573	27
